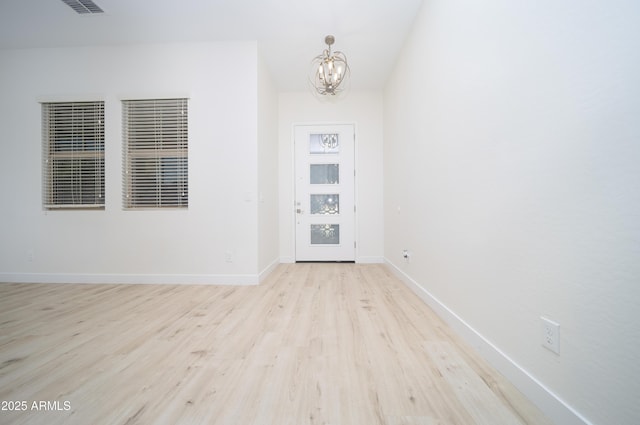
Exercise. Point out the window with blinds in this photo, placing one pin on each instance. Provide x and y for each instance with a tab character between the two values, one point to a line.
73	154
155	152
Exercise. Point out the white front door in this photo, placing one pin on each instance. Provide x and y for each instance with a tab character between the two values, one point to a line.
325	192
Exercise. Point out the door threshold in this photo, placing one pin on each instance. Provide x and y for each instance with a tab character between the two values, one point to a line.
325	261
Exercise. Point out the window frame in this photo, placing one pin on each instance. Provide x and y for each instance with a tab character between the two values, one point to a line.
73	155
155	150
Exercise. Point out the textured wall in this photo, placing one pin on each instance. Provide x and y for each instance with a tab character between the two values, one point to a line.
511	174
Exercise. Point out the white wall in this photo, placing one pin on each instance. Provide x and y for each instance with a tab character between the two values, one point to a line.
134	246
512	152
268	247
364	109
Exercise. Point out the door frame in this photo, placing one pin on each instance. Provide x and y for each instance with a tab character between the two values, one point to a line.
292	201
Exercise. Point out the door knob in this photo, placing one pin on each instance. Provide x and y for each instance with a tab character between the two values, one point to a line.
299	210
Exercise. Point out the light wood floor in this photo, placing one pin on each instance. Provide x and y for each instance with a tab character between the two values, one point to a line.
314	344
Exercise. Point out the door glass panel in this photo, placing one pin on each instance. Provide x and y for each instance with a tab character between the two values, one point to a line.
324	143
324	173
324	204
325	234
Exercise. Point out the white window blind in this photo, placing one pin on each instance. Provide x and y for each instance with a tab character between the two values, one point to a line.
155	138
73	154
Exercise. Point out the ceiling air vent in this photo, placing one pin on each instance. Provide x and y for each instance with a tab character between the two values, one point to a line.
83	6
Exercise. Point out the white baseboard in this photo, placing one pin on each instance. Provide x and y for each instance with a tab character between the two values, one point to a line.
172	279
549	403
267	270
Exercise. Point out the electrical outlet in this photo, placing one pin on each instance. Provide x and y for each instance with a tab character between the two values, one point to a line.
406	255
550	335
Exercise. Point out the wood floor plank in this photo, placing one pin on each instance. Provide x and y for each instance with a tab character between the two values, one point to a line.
338	344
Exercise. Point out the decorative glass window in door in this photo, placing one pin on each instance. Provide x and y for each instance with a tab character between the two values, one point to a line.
325	234
325	204
324	173
324	143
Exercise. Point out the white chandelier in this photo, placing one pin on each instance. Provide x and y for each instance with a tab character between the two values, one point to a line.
329	70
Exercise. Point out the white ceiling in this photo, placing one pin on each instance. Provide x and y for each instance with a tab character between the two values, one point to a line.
289	32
